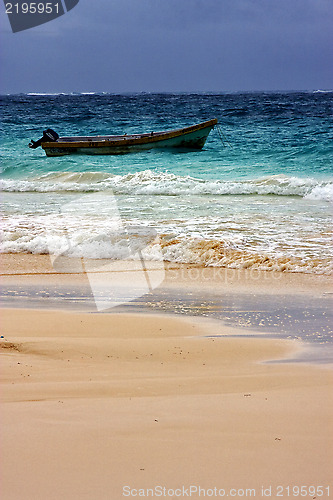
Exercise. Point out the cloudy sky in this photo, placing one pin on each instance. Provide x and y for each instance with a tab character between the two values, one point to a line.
173	46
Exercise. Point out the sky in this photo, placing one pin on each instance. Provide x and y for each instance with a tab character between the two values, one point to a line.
122	46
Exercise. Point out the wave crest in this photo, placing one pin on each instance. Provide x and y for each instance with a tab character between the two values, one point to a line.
148	182
181	250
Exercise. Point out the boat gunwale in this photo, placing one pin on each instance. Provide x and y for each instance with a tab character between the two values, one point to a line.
121	140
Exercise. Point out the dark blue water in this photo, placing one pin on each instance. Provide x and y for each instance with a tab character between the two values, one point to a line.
288	134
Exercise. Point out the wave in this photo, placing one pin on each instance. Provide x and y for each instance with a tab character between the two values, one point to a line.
61	93
45	93
148	182
91	243
214	253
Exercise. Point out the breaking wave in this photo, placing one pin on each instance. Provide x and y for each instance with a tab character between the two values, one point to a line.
97	239
155	183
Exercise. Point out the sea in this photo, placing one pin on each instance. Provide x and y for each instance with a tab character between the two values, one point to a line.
258	196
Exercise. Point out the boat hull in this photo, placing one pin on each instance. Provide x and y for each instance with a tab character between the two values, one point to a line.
193	137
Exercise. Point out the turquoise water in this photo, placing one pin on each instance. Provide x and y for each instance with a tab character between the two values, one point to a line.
260	199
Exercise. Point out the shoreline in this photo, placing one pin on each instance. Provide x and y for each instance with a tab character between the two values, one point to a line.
274	304
33	265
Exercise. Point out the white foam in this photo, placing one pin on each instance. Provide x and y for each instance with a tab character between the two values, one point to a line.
96	239
45	93
321	192
162	183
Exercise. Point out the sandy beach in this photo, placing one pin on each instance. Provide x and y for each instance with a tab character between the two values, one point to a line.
113	405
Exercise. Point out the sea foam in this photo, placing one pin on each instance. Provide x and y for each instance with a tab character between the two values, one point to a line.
163	183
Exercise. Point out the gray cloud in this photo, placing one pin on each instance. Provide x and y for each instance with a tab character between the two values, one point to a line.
174	45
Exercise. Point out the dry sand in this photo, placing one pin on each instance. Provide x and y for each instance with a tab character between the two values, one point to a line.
92	403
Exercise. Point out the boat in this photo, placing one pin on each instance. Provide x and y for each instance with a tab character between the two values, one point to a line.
193	137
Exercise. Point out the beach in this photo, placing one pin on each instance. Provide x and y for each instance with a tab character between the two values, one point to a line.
166	316
117	404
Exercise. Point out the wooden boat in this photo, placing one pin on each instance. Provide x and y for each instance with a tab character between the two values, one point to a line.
193	137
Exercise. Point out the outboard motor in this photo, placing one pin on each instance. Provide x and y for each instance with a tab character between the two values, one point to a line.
49	135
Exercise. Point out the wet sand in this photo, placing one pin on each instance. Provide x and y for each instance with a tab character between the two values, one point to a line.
281	305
